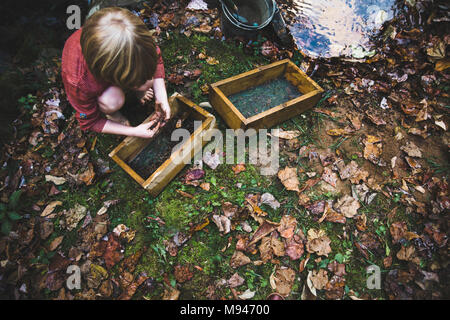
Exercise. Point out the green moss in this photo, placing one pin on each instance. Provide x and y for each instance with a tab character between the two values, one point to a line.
197	253
150	264
180	51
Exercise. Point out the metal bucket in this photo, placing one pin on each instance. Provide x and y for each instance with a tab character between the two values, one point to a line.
251	16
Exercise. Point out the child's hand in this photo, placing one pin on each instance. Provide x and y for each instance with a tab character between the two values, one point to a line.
147	130
163	108
148	95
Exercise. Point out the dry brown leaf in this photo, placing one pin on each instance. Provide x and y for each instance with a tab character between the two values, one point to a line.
348	206
337	268
229	209
442	64
319	279
238	168
329	176
282	280
74	216
398	231
373	149
318	242
205	186
182	273
411	150
56	180
235	281
88	175
408	254
288	224
50	207
239	259
56	242
270	246
288	135
294	247
171	294
288	177
223	223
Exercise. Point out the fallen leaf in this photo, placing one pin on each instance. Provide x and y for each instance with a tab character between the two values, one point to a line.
56	180
294	247
183	273
329	176
337	268
211	160
271	246
348	206
309	183
50	207
194	175
287	226
222	222
442	64
411	150
113	252
441	124
318	242
319	279
437	51
74	216
88	175
171	294
287	135
248	294
332	216
106	205
373	150
316	207
46	229
235	281
346	171
205	186
408	254
264	229
310	285
239	259
212	61
282	281
414	164
289	179
229	209
269	199
55	243
238	168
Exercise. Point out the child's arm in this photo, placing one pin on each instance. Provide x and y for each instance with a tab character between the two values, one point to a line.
159	88
143	130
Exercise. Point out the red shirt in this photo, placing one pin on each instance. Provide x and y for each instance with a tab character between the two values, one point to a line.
82	89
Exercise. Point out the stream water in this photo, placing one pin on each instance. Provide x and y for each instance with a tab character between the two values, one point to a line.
332	28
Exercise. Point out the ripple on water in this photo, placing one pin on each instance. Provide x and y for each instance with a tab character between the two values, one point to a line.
332	28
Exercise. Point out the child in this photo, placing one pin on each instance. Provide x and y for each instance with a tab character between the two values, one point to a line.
113	52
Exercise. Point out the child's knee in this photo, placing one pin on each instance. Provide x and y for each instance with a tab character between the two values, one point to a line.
111	100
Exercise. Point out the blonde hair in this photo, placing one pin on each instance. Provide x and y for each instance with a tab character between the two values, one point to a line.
118	48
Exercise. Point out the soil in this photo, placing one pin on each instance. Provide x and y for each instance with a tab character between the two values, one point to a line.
160	148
